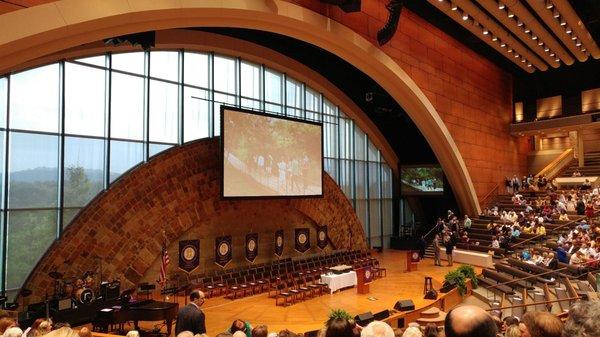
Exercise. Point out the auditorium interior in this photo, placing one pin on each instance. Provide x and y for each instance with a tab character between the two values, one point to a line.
299	168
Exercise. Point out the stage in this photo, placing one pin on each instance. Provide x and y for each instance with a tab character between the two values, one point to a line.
310	314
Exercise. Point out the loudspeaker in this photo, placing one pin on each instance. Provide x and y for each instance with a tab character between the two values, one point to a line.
431	294
380	316
364	318
404	305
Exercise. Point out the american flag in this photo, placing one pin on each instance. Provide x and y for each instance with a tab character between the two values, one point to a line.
162	278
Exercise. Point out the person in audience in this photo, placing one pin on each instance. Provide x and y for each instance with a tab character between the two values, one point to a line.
59	325
131	333
412	332
5	323
239	325
561	254
540	230
576	259
583	320
190	317
508	185
508	321
185	334
377	329
467	223
495	242
44	327
552	261
62	332
512	331
398	332
13	332
540	324
339	328
260	331
580	207
469	321
85	332
576	173
239	334
431	330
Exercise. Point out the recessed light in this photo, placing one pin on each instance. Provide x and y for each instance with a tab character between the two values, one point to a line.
563	22
573	37
556	14
540	43
453	7
465	16
568	30
546	49
552	54
510	50
501	5
527	30
485	31
549	4
578	43
529	65
494	38
511	14
519	23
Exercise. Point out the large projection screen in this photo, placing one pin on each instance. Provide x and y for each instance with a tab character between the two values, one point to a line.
270	156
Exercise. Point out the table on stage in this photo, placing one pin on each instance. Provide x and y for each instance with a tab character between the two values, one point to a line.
338	281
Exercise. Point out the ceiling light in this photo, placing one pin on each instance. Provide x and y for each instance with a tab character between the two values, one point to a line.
502	44
563	22
556	14
494	38
583	49
519	23
533	37
440	0
578	43
453	6
516	55
511	14
510	50
540	43
523	60
501	5
573	37
485	31
465	16
546	49
568	30
549	4
552	54
529	65
527	30
557	59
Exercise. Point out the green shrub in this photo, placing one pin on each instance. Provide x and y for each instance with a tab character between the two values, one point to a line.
456	277
338	313
469	272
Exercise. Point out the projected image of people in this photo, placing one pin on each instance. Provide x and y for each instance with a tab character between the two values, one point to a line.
422	179
269	156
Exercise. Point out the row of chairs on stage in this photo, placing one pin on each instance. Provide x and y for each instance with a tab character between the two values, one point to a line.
299	277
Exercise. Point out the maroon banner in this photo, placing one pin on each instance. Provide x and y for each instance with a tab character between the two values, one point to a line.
322	237
251	246
279	242
223	250
302	241
189	255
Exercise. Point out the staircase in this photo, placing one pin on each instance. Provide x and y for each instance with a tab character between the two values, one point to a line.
591	166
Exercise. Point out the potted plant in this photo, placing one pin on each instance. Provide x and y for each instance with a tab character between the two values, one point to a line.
454	279
338	313
469	272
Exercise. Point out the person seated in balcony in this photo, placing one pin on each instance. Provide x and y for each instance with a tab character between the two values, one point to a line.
587	185
576	173
467	223
577	259
561	254
563	216
552	261
540	229
527	229
516	233
580	207
526	255
495	242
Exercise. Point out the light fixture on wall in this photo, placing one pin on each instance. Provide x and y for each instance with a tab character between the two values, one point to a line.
578	43
465	16
549	4
556	14
485	31
453	6
563	22
511	14
519	23
494	38
527	30
568	30
501	5
502	44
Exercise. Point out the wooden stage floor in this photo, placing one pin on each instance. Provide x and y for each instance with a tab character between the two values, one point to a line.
311	314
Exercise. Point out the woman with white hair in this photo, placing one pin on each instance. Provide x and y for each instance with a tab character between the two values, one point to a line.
377	329
13	332
412	332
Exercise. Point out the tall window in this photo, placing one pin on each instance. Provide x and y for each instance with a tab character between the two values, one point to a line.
120	110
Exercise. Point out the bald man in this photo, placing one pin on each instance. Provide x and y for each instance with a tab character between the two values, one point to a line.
469	321
190	317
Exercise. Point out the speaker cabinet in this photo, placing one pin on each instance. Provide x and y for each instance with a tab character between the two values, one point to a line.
364	318
404	305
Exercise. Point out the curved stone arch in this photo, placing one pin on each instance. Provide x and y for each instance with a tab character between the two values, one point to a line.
45	29
178	188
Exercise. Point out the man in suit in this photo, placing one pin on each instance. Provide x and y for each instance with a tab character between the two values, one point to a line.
190	317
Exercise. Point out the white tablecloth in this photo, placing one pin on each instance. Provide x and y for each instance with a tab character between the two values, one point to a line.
336	282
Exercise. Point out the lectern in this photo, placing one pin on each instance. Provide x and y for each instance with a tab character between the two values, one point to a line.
364	277
412	260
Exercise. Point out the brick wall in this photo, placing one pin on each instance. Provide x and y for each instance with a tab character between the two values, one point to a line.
470	93
179	192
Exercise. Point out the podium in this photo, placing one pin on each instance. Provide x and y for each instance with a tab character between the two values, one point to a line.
364	276
412	260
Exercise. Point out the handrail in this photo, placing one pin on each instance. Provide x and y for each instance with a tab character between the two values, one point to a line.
431	230
535	303
552	165
537	275
484	200
553	230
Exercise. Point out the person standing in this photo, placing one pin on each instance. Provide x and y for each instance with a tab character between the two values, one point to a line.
436	250
449	242
190	317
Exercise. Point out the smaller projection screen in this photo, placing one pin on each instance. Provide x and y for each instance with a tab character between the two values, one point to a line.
422	180
270	156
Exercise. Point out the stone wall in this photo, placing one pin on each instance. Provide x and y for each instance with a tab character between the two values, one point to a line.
178	192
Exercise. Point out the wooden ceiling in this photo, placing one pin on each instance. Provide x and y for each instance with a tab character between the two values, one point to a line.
13	5
533	34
